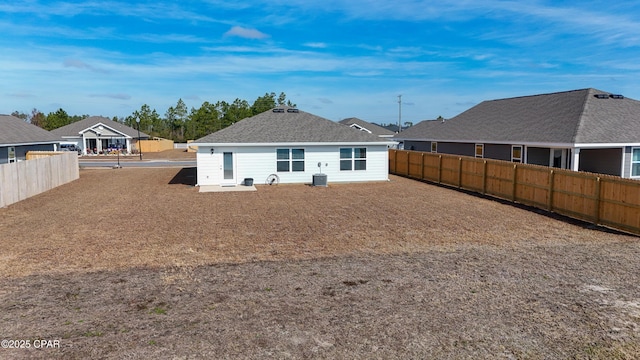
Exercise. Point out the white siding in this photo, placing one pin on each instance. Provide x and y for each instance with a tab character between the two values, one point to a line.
209	172
259	162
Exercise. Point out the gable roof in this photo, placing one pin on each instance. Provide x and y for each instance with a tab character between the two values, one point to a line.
586	116
75	129
287	125
15	131
375	129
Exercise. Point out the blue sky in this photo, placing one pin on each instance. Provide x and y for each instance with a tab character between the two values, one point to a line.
336	59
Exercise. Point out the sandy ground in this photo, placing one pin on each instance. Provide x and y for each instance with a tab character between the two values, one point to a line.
135	263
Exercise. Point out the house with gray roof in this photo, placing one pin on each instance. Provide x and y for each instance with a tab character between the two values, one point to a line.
367	127
17	137
583	130
98	134
290	145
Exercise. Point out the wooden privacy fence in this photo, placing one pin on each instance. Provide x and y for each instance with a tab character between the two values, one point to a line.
156	145
21	180
600	199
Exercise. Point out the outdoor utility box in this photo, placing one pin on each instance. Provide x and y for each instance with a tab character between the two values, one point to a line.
319	179
248	181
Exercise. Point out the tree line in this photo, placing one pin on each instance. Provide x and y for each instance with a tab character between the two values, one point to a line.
178	123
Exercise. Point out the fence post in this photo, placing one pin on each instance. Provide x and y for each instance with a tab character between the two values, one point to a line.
459	172
439	169
408	163
484	177
515	179
551	176
422	167
395	162
598	202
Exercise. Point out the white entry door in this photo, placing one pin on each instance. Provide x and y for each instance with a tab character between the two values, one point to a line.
228	169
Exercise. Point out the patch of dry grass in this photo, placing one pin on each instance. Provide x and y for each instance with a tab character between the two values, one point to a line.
136	263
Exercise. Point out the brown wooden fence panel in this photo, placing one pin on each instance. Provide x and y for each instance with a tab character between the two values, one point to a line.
473	176
402	163
392	161
431	169
619	203
575	195
601	199
499	179
532	185
415	164
450	170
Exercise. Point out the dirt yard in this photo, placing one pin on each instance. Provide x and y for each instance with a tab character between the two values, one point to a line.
135	263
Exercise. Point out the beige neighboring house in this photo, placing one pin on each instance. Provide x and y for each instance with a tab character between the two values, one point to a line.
17	137
98	134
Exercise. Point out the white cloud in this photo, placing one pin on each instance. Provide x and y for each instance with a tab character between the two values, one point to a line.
316	45
246	33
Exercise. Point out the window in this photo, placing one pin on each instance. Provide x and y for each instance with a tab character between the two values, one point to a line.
12	154
353	159
434	147
289	160
479	150
635	162
516	153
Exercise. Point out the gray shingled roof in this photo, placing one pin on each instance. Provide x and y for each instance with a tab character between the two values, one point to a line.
15	131
375	129
569	117
74	129
287	127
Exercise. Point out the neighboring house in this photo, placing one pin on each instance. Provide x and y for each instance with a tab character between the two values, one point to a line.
97	134
17	137
368	127
583	130
290	143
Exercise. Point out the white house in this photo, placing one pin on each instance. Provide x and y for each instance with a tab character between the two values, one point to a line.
97	134
292	145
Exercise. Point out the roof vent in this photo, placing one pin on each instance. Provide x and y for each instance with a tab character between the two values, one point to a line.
616	96
601	96
292	110
278	110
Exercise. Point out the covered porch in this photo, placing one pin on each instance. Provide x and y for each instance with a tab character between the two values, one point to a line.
101	139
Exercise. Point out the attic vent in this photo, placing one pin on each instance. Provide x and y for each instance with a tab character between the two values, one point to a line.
616	96
278	110
601	96
292	110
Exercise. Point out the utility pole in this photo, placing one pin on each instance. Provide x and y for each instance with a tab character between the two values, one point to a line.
399	113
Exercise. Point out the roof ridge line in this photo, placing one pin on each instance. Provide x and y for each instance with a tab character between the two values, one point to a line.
550	93
580	124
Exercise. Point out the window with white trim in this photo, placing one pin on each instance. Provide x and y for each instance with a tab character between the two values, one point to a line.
635	162
288	160
12	154
434	146
479	150
516	153
353	159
